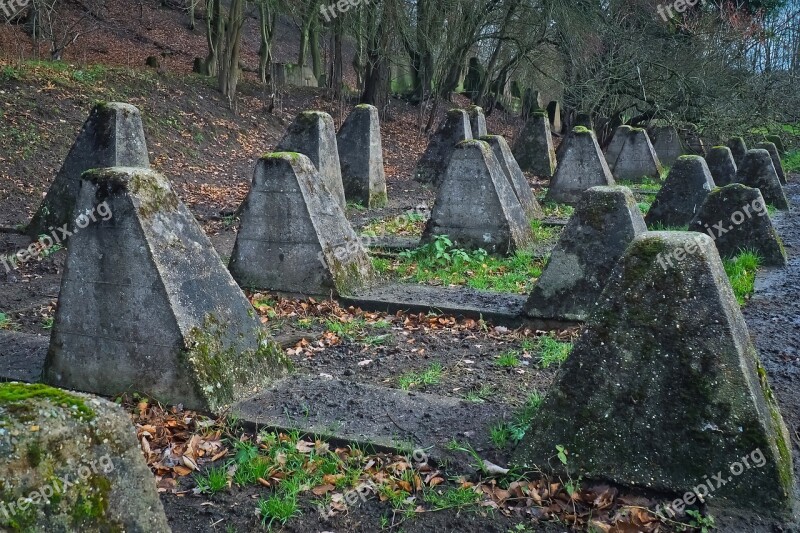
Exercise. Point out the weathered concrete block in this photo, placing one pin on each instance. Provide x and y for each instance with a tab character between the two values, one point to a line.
615	146
776	159
778	142
757	171
694	142
534	149
455	128
291	239
554	115
605	222
581	167
111	136
738	149
736	217
668	145
147	305
76	460
637	158
682	194
313	134
722	165
361	157
515	177
477	120
661	407
476	205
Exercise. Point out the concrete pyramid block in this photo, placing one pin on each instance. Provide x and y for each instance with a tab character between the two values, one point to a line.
738	149
605	222
664	387
581	167
757	171
637	158
361	157
736	217
515	176
776	159
291	238
313	134
615	146
111	136
146	304
65	452
534	149
778	142
433	164
554	115
476	206
668	145
682	194
722	165
477	120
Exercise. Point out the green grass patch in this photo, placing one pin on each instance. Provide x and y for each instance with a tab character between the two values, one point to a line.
5	322
742	271
549	351
430	376
408	224
358	330
513	431
659	226
554	210
440	262
542	232
451	498
214	480
791	163
480	395
509	359
644	207
646	184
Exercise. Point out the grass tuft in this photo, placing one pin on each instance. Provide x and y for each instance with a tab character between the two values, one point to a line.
741	271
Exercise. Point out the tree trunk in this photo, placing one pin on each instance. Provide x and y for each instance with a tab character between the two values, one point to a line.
192	5
267	20
337	79
228	77
214	35
315	48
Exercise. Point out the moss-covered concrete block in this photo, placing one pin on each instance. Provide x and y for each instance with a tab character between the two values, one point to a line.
616	144
605	222
736	217
147	305
758	171
776	159
313	134
112	136
515	176
71	462
668	145
454	129
534	148
477	120
682	194
664	388
292	238
361	157
581	166
722	165
476	205
637	159
738	149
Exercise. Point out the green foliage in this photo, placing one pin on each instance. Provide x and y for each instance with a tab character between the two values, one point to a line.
791	163
554	210
704	523
408	224
440	262
552	351
451	498
480	395
12	393
659	226
741	271
541	232
213	481
5	322
431	376
90	74
644	207
278	508
512	432
509	359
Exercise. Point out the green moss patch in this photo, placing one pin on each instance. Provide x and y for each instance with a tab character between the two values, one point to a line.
14	393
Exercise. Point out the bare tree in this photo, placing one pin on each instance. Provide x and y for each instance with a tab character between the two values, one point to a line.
61	28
